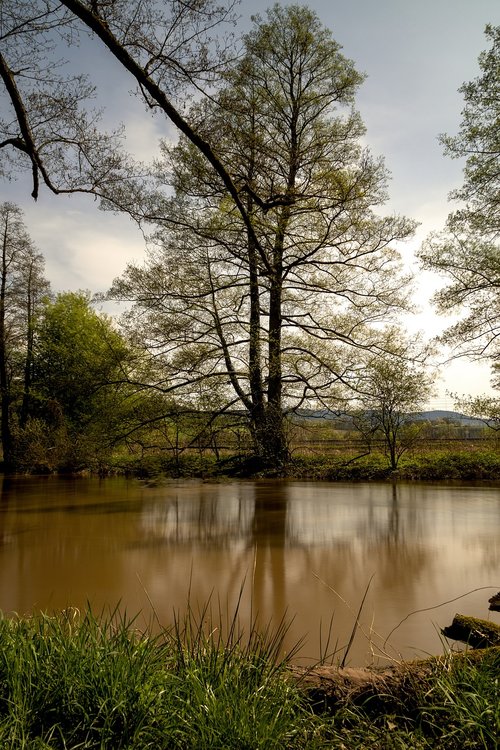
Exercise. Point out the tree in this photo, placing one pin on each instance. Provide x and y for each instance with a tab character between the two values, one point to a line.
80	379
167	49
484	408
261	305
468	250
22	288
479	143
391	390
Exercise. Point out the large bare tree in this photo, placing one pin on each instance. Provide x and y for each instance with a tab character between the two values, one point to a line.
263	307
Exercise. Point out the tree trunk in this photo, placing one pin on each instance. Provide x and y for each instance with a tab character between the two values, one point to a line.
6	435
28	361
275	444
272	436
271	446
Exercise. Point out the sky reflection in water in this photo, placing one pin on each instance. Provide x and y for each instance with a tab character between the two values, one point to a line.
304	549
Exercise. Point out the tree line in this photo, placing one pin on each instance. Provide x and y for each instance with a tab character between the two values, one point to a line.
273	281
76	386
60	363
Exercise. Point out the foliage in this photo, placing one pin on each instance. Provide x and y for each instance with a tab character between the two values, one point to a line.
464	465
463	706
478	142
79	355
61	365
157	465
429	464
457	705
22	289
275	219
78	389
71	682
467	251
391	390
485	408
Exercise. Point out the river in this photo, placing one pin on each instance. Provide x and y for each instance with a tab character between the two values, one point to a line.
306	551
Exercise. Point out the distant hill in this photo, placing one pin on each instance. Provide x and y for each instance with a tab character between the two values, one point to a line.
435	415
439	415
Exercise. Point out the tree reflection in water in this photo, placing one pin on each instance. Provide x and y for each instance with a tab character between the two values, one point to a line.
292	545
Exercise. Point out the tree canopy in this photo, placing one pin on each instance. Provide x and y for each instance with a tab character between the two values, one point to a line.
478	141
392	388
467	251
80	394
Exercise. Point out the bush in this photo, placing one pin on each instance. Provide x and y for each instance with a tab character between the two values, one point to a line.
443	465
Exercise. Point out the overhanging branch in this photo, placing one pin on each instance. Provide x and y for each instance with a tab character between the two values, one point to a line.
25	144
101	30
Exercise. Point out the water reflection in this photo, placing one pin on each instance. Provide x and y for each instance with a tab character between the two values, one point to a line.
305	548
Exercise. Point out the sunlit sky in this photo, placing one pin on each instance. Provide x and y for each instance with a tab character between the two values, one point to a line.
416	55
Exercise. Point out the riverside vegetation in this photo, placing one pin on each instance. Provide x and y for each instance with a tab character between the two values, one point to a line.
427	465
269	203
81	681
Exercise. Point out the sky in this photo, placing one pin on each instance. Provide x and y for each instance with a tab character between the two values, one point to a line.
416	54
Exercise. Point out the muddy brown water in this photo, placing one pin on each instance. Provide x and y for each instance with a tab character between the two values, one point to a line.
305	551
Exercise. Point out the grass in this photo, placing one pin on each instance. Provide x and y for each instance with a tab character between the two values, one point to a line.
433	464
79	682
457	705
429	465
71	682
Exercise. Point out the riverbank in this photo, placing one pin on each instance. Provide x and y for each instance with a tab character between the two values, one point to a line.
84	682
430	465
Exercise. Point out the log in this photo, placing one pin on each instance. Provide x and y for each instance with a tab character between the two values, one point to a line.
474	632
381	689
494	603
328	688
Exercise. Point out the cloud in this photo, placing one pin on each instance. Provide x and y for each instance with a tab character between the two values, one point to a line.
83	250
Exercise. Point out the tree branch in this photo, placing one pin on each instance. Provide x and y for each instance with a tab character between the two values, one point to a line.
27	143
99	27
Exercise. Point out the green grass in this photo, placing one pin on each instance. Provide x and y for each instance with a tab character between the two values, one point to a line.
430	465
457	706
70	682
463	706
79	682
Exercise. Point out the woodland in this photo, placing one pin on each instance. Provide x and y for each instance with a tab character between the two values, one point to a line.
272	290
